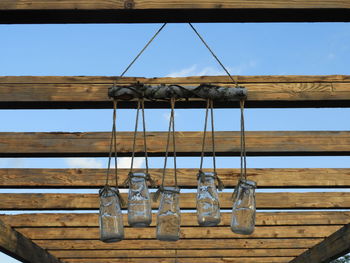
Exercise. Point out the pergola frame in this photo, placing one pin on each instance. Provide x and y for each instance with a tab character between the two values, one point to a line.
280	236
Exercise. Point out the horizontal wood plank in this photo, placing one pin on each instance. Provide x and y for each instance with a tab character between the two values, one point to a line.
172	253
16	245
91	92
187	219
186	232
184	260
94	144
332	247
95	178
317	200
145	11
181	244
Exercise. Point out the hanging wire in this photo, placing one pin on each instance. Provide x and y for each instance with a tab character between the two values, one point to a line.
213	54
171	131
142	50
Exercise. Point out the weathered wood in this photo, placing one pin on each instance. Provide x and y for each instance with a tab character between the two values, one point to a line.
16	245
334	246
181	244
172	253
285	200
186	232
93	178
91	92
187	219
144	11
285	143
183	260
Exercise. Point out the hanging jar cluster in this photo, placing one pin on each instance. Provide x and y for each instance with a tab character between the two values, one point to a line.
168	215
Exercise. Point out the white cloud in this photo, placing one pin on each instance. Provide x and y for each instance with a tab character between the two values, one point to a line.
84	163
123	162
194	70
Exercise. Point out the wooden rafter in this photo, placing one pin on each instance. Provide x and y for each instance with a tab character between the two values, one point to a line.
94	178
285	200
331	248
91	92
94	144
144	11
18	246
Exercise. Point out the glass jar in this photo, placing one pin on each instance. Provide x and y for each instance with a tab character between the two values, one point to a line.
168	217
244	208
111	217
139	201
208	208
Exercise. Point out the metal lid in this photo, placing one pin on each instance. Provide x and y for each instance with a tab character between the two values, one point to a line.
138	174
249	183
171	189
206	174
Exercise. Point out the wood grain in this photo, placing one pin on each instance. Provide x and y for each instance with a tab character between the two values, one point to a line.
203	243
94	144
16	245
299	231
318	200
91	92
332	247
187	219
95	178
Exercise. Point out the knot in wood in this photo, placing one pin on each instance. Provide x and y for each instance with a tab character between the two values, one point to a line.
129	4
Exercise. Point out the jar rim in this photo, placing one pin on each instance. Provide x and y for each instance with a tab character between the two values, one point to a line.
206	174
172	189
249	183
138	174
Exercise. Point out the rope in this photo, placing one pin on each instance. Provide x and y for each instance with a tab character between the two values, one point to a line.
213	54
113	143
142	50
243	146
140	104
210	104
171	130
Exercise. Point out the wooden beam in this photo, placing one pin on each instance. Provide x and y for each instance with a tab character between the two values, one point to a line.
187	219
317	200
52	233
143	11
183	260
181	244
16	245
95	178
334	246
91	92
94	144
172	253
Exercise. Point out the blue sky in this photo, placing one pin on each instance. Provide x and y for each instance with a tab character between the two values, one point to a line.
245	49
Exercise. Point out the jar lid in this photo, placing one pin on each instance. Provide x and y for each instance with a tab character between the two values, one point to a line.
249	183
171	189
206	174
138	174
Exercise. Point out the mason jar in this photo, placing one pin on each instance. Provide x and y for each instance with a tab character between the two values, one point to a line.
168	217
244	208
208	207
139	201
110	217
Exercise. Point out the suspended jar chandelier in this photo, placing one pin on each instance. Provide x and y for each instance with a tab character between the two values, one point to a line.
110	216
208	207
169	216
207	199
139	200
